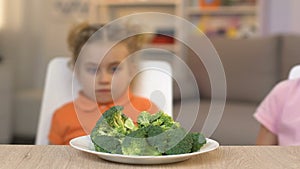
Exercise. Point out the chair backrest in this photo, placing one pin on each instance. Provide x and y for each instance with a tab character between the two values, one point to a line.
57	91
155	84
295	72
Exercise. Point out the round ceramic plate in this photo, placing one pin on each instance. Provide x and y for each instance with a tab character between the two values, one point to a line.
85	144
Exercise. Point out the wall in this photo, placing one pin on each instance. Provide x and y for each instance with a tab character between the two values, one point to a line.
34	32
278	16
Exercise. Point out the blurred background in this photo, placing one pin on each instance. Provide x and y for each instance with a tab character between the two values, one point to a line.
256	40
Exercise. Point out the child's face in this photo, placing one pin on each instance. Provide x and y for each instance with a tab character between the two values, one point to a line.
97	80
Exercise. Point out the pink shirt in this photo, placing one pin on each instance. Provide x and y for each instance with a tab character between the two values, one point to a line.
280	112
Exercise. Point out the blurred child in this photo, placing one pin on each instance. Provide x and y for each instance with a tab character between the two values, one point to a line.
104	80
279	115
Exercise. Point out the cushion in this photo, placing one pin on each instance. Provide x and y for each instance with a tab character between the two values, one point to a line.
237	125
290	54
251	67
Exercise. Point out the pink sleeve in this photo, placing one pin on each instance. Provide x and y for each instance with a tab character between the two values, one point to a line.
269	111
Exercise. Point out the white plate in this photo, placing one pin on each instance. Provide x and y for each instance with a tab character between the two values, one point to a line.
85	144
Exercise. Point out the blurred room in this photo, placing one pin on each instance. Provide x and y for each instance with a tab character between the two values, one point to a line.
257	41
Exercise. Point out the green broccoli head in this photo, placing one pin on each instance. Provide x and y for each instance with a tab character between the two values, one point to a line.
198	141
164	120
166	135
158	119
154	130
135	143
143	119
111	128
107	144
156	134
169	140
183	147
115	118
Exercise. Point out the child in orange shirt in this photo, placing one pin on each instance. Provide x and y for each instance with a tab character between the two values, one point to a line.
103	86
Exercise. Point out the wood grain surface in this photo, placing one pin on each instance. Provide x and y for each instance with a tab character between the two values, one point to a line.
236	157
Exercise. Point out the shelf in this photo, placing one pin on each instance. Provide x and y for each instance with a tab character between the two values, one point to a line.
225	10
141	2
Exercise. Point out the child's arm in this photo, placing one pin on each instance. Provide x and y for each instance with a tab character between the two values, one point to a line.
266	137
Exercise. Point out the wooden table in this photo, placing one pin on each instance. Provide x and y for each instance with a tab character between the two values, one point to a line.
235	157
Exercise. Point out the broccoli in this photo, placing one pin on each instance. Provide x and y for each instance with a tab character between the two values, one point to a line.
154	130
144	119
135	143
198	141
183	147
164	120
167	136
172	141
110	129
107	144
115	118
158	119
154	135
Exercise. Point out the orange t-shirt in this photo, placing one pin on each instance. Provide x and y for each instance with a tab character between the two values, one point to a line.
78	118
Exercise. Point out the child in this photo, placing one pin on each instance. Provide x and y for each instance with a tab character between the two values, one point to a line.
279	115
102	86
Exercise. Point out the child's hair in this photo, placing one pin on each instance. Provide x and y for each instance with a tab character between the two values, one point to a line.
81	33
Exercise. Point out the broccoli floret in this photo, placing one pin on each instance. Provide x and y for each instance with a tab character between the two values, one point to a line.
164	120
143	119
110	129
130	125
107	144
165	134
183	147
168	139
160	118
135	143
198	141
115	119
154	130
156	134
156	116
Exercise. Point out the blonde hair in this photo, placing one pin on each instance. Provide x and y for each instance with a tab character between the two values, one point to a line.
81	33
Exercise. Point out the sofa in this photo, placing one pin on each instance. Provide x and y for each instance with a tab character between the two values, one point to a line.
252	67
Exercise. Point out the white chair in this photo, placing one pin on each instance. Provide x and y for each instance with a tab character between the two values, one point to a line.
155	78
155	83
295	72
58	90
